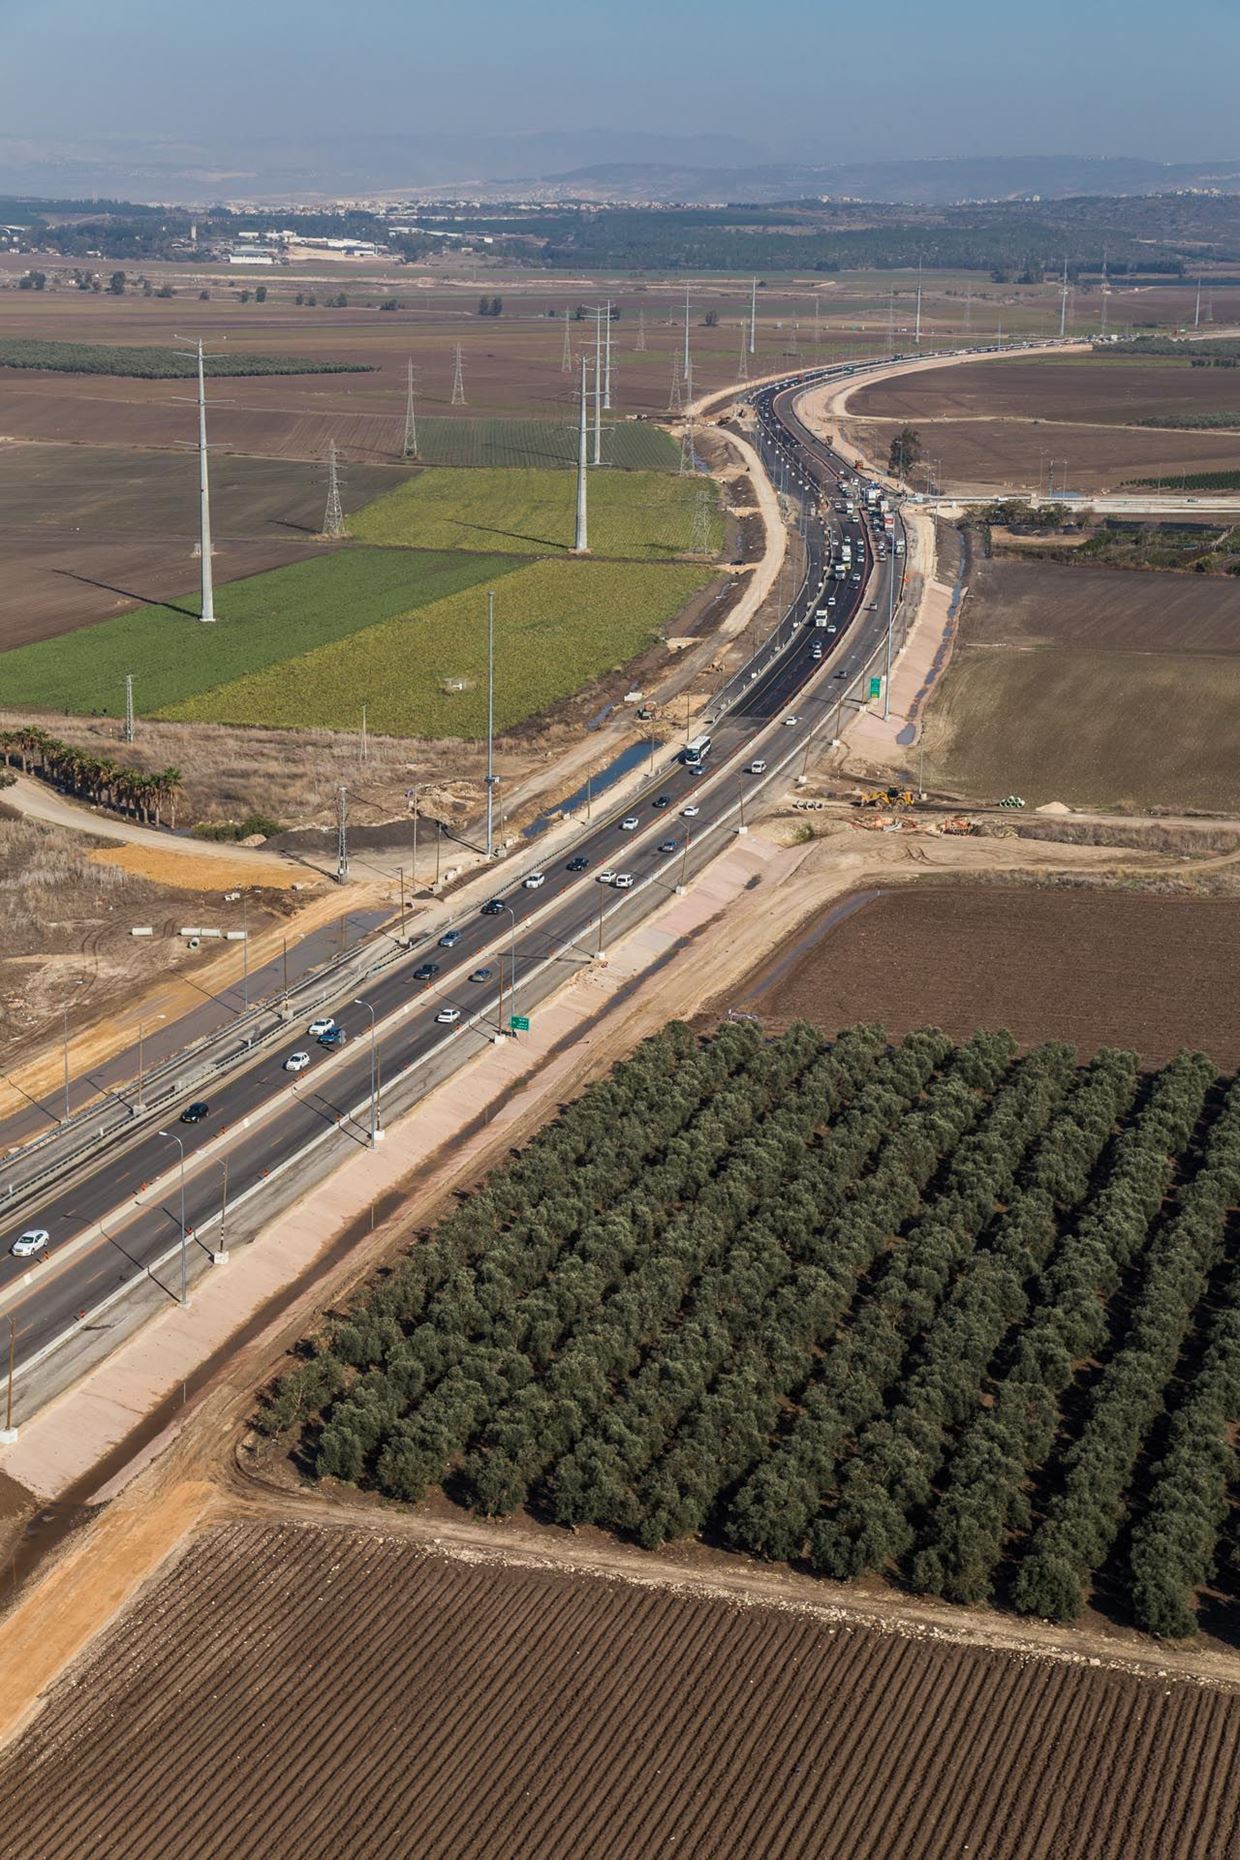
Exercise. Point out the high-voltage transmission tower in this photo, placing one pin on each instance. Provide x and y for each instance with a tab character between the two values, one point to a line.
409	445
458	378
675	400
640	344
607	361
566	359
598	387
688	457
333	516
753	317
206	606
1063	300
742	372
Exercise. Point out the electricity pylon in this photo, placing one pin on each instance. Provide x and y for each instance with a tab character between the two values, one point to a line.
458	379
566	359
409	446
581	535
742	373
333	516
640	344
675	400
688	458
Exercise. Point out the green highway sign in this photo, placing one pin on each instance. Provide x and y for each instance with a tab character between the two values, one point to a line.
520	1023
876	687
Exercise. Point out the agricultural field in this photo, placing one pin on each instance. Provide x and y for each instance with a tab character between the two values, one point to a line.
628	445
1092	686
645	516
917	1311
96	358
88	531
261	622
333	1693
1013	423
1046	962
558	626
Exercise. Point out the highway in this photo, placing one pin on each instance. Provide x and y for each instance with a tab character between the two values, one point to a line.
261	1116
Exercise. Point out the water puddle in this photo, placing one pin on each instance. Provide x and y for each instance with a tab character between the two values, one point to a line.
599	784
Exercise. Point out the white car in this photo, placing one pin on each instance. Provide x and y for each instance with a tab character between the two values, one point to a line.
297	1062
533	880
604	878
448	1017
630	824
691	812
790	723
623	881
758	767
31	1242
323	1025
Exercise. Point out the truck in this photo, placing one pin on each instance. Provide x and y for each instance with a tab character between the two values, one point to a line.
872	496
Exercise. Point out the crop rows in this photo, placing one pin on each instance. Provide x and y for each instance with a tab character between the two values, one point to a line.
931	1310
629	445
152	364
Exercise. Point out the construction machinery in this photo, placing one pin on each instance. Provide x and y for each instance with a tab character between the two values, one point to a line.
886	797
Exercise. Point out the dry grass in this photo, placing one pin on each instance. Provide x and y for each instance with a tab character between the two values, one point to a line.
48	879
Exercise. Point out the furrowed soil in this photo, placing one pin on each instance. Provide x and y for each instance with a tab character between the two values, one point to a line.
300	1689
993	426
1150	974
1092	686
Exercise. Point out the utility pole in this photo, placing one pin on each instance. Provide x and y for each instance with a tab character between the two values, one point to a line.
742	371
342	834
458	378
333	517
409	445
490	722
675	400
207	603
891	617
753	317
917	331
607	361
172	1137
1197	311
687	365
129	707
598	387
1063	300
581	536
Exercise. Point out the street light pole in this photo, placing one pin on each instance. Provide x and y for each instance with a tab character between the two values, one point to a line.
490	723
172	1137
375	1131
66	1055
512	970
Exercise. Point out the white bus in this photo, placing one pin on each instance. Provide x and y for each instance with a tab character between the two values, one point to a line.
696	752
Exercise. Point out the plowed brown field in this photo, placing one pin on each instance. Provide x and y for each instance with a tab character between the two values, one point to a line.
314	1691
1096	969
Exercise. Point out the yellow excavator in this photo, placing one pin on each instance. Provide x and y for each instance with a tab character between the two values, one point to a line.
886	797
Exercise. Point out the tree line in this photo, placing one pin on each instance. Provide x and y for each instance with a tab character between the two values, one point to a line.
922	1309
102	780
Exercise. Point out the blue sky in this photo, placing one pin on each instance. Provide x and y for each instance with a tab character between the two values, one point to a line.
939	77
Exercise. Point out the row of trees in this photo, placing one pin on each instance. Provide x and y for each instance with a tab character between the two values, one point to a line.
155	364
145	793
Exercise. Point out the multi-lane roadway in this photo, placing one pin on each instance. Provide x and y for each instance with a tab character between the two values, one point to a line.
488	967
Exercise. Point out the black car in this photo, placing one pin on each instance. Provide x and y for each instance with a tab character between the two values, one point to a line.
493	907
335	1036
425	970
194	1113
662	800
578	864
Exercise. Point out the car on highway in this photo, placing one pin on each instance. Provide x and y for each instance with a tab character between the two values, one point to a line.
449	939
871	607
425	971
757	767
578	864
623	881
482	975
334	1037
790	723
194	1113
604	878
691	812
534	881
448	1016
324	1024
817	652
31	1242
832	629
662	800
668	846
297	1062
630	824
493	907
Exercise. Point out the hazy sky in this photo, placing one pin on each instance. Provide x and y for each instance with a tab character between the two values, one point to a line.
938	77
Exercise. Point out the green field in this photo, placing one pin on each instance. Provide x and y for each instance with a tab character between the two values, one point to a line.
558	625
151	364
641	515
629	445
262	620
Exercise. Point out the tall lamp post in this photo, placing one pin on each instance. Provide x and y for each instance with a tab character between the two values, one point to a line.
375	1128
512	968
142	1027
172	1137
